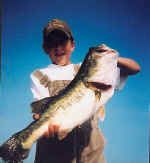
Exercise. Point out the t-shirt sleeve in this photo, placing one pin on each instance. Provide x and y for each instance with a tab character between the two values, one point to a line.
38	90
121	80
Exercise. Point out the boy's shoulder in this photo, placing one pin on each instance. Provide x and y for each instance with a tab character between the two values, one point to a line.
40	71
43	70
54	71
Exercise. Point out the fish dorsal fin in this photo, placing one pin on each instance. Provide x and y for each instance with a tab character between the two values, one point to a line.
40	105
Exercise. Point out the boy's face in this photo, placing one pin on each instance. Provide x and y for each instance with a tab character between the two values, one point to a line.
62	53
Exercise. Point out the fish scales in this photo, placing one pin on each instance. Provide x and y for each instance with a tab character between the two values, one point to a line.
71	107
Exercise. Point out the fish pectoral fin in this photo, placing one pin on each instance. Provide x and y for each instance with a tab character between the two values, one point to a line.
39	106
62	134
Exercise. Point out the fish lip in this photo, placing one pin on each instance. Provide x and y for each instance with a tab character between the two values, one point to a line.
97	49
102	49
100	85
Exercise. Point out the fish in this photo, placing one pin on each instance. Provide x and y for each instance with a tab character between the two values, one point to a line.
91	88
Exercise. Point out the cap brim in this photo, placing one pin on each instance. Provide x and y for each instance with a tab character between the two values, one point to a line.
61	29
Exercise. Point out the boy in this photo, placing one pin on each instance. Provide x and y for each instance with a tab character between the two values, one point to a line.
85	144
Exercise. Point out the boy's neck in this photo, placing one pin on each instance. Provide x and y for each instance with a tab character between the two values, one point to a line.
63	64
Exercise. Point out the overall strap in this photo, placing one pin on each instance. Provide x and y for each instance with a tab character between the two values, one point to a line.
76	68
42	78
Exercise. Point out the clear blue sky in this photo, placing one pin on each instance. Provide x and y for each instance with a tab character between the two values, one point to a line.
123	25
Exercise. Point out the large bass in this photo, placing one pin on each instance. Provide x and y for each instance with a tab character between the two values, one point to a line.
91	88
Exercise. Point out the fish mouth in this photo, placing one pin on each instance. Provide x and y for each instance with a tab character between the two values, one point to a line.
99	86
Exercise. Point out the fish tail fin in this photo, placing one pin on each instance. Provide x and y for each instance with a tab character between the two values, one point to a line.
12	150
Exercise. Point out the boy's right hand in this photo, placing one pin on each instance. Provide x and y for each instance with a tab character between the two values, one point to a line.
52	129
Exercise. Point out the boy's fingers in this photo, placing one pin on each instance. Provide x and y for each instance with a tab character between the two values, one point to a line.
56	128
51	130
47	133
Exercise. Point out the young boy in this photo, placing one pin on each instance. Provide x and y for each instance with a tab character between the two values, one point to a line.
85	144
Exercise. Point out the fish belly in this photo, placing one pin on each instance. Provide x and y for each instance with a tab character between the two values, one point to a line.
75	114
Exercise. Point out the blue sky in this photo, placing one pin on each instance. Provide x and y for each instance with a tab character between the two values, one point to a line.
122	25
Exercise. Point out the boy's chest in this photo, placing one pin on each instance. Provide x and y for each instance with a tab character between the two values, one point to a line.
60	74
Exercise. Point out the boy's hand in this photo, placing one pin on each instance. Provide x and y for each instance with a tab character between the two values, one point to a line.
36	116
52	129
128	66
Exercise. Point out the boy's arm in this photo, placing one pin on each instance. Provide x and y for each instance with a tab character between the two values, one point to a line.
128	66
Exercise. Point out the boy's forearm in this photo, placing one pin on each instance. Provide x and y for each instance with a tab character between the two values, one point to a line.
128	66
